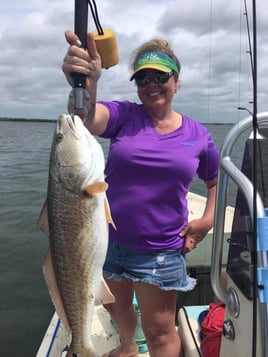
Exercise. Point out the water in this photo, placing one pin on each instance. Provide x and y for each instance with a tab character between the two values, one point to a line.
26	308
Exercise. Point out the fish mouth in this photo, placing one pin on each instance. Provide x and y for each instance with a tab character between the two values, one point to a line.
72	123
75	123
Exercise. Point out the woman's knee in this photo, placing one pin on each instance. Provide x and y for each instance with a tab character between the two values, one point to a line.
158	334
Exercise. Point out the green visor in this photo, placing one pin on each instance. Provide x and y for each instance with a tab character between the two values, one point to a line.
154	60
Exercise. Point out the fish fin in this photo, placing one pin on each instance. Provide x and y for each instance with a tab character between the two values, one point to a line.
43	220
95	188
108	213
104	296
53	289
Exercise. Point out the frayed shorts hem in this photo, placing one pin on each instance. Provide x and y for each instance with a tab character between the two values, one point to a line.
191	282
165	269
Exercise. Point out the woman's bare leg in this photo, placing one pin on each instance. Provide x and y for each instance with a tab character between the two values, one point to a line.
158	308
124	316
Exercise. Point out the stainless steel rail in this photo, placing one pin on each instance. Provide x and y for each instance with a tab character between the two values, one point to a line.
228	169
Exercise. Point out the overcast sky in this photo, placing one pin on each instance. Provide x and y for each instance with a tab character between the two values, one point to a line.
208	36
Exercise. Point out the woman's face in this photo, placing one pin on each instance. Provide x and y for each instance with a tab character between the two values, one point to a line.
155	88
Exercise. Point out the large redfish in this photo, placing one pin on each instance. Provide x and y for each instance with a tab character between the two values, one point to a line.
77	213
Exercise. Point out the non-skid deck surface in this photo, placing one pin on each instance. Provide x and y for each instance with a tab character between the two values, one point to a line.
104	336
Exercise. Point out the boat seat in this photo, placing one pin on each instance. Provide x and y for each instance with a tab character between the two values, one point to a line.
189	329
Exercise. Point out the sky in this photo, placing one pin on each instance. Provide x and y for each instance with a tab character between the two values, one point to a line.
208	36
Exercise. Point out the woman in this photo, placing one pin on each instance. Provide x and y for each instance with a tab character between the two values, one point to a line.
155	153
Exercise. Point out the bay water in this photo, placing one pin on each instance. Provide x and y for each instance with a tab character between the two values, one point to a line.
25	305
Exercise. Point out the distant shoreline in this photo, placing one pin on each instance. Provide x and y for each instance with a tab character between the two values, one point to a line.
29	120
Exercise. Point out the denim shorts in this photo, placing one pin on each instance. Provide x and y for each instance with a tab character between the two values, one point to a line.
165	268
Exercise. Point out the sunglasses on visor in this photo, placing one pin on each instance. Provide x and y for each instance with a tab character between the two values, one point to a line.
143	78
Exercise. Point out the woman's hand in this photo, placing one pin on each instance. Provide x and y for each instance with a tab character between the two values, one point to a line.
80	60
197	229
194	233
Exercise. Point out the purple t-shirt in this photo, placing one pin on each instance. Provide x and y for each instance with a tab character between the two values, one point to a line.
149	174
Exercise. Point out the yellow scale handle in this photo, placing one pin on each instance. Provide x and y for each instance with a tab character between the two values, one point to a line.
107	48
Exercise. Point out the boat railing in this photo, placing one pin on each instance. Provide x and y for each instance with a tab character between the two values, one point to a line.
227	169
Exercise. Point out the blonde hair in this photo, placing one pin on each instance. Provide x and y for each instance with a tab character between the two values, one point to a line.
155	45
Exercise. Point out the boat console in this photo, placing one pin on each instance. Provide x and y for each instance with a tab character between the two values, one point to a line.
244	292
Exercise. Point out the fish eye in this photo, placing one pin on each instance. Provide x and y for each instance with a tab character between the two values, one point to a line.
59	137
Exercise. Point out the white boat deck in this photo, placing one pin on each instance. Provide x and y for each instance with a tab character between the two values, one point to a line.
104	336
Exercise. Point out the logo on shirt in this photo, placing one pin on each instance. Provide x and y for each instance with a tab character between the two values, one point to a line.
188	143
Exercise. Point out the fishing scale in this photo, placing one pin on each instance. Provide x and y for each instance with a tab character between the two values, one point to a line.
106	46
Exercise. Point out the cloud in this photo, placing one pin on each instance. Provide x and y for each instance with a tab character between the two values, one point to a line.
209	37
